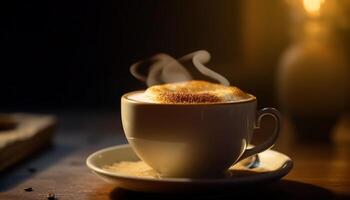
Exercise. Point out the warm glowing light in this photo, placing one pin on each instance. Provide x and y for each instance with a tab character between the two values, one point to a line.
312	6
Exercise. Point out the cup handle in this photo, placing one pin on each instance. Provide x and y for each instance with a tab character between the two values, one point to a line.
271	140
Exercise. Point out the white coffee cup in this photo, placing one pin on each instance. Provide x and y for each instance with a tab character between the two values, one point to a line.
194	140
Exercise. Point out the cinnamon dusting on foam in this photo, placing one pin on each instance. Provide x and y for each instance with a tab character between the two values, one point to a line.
194	92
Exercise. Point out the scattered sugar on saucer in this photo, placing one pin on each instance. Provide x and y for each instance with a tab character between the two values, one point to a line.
137	168
141	169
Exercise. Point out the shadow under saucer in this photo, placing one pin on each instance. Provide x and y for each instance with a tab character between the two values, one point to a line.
282	189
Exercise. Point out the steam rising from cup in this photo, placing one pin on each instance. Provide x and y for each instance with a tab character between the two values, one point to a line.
162	68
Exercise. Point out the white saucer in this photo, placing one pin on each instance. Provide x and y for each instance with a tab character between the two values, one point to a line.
273	166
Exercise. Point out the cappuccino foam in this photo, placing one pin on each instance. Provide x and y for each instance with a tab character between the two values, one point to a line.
191	92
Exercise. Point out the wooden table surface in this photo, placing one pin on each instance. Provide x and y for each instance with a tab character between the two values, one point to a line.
321	170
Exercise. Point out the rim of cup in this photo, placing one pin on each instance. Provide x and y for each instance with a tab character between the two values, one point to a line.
125	97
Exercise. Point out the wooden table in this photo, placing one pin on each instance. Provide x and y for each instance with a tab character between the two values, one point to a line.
321	170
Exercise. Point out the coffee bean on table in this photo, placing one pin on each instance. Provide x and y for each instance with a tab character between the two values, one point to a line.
31	169
29	189
51	196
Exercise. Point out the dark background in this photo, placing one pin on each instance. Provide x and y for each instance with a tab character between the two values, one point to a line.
76	54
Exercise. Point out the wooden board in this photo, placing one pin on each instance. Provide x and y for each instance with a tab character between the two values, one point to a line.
23	134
